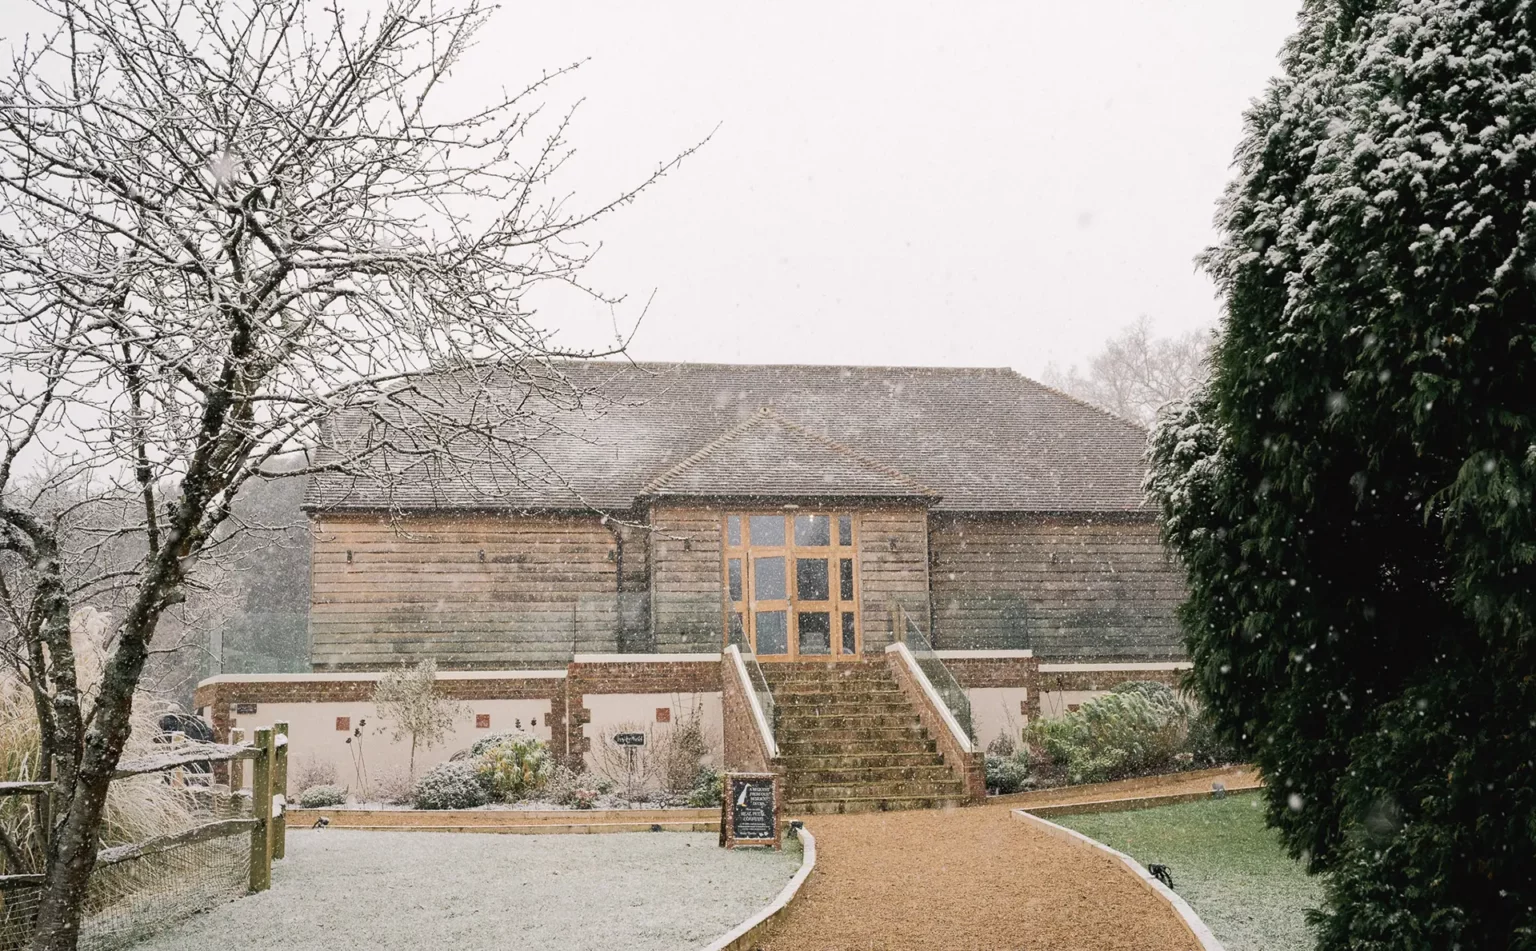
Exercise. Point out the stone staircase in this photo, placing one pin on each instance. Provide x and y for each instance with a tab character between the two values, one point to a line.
851	742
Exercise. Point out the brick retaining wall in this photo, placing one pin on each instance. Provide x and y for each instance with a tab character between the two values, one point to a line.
565	691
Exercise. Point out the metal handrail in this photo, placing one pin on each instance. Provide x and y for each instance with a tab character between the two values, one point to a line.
758	683
944	682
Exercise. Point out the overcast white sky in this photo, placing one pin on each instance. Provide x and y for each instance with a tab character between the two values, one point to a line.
976	184
997	183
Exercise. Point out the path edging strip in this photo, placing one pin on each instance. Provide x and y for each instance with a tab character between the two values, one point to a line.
742	936
1132	803
1197	928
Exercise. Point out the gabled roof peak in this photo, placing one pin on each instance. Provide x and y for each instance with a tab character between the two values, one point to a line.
768	455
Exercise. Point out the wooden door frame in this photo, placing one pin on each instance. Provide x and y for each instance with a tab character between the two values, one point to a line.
835	605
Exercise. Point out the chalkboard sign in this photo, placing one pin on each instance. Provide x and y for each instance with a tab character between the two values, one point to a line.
750	810
629	739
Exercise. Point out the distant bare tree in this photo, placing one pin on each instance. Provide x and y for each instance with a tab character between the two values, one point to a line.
220	223
1137	372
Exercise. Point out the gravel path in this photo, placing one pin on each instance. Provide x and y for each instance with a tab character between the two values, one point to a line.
967	880
374	891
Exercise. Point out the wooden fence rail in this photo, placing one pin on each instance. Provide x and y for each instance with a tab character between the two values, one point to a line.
267	825
188	755
24	789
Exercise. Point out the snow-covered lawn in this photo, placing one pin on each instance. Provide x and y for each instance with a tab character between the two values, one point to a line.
1225	863
340	890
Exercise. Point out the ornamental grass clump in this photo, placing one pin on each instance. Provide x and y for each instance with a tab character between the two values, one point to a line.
515	767
137	808
1139	727
451	785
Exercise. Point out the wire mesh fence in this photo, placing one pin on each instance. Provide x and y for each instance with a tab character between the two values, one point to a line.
131	900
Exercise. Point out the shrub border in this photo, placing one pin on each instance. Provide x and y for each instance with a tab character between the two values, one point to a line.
1191	921
744	936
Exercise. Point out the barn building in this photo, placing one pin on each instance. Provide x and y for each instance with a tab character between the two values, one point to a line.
639	532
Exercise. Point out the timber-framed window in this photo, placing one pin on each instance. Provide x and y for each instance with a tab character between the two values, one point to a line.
792	584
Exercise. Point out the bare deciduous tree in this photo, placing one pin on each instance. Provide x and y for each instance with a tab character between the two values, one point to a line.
1137	372
221	223
414	709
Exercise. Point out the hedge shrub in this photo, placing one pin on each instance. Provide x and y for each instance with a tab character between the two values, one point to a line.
451	785
1139	727
1008	774
318	797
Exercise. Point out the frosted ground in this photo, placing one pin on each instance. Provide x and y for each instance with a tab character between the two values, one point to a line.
342	890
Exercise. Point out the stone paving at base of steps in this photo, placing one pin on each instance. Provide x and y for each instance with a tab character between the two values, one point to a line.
967	879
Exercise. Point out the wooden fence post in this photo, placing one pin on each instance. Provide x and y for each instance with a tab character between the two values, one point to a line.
178	776
280	790
236	766
261	811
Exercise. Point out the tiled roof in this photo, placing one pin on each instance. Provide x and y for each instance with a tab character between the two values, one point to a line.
772	457
604	434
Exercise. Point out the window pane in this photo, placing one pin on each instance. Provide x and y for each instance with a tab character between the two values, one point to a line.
733	575
811	579
773	632
845	579
813	530
845	529
815	632
738	632
766	529
733	531
848	639
768	579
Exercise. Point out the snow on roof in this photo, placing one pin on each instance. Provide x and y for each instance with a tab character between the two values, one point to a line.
604	435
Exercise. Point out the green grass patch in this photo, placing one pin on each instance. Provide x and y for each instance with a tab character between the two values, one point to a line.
1226	863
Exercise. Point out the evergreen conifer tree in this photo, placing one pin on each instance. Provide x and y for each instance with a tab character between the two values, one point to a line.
1353	496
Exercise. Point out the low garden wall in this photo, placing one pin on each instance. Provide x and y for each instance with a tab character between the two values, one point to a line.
1000	685
1062	687
335	722
576	710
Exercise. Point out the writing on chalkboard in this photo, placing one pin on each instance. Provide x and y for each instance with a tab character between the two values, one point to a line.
751	810
629	739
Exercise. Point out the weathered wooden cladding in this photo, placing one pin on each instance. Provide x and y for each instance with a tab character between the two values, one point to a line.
893	569
491	591
472	591
687	613
1071	586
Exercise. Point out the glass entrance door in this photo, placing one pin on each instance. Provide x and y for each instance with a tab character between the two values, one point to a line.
791	583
